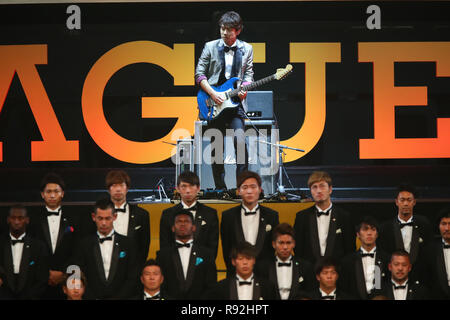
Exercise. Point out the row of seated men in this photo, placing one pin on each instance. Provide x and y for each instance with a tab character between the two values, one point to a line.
401	258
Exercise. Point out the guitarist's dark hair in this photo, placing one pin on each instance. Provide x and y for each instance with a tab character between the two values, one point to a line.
231	19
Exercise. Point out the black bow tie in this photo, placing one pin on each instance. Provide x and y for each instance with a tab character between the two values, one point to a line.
284	264
372	255
406	224
13	242
446	246
53	213
105	239
157	297
120	209
319	213
248	213
399	287
193	208
243	283
181	245
226	48
327	297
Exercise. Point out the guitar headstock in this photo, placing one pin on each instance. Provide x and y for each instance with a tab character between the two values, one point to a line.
283	73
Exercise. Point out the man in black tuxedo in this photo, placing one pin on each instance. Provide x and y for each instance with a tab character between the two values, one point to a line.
364	271
59	228
327	274
438	259
107	258
407	231
243	284
248	222
400	286
290	274
152	278
132	221
23	259
323	230
189	268
205	218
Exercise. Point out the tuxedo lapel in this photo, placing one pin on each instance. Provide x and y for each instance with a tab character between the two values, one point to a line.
390	291
295	278
441	271
414	243
360	278
256	290
46	230
114	259
261	230
131	221
63	225
237	62
411	292
24	264
233	289
331	233
397	235
198	221
221	54
98	258
191	269
238	225
176	260
273	275
314	234
9	266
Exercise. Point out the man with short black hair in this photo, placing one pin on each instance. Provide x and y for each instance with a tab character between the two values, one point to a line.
249	222
205	218
327	274
24	259
189	268
152	278
400	286
243	284
364	271
107	258
132	221
407	231
59	227
290	274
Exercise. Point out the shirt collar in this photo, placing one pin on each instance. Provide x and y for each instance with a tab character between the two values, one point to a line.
185	206
247	209
371	251
102	236
181	242
122	206
239	278
53	210
332	293
320	210
225	45
147	295
287	261
399	284
19	238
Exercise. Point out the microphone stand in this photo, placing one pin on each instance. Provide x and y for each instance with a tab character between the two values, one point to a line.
281	191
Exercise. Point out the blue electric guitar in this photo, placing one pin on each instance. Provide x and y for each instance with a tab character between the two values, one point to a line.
209	110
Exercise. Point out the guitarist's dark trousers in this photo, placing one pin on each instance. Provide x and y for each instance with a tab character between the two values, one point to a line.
230	119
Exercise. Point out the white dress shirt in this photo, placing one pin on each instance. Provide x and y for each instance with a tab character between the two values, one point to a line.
369	269
106	249
53	226
185	255
284	278
406	234
228	60
121	222
245	292
185	206
17	251
323	225
332	293
250	224
447	261
400	294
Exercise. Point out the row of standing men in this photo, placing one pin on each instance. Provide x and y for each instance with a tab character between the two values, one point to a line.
112	251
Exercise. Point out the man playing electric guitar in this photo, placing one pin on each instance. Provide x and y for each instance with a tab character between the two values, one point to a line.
221	60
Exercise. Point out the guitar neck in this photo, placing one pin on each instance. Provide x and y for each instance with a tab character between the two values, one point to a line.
235	92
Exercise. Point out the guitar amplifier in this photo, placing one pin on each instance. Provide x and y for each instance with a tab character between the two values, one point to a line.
260	105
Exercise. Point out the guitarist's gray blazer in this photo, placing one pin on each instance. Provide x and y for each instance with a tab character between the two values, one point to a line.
212	60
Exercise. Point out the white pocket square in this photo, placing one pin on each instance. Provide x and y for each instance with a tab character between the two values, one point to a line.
420	240
338	231
268	228
203	222
138	227
300	279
